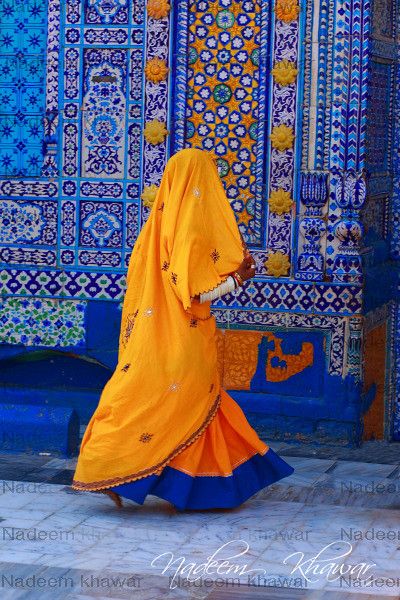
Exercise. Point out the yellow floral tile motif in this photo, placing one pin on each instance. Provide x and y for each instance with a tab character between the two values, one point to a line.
158	9
155	132
280	201
277	264
156	70
149	194
287	10
282	137
244	216
284	72
222	99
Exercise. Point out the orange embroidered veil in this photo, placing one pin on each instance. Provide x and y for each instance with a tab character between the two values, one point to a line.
165	389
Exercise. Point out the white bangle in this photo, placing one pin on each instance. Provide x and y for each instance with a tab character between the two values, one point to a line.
223	288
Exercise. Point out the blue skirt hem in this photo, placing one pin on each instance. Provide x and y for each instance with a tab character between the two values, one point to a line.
202	492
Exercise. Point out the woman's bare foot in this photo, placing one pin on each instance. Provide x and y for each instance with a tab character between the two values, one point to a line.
115	497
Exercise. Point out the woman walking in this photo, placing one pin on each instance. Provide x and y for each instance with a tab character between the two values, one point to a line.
164	426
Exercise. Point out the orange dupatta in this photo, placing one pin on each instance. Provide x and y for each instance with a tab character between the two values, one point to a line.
165	389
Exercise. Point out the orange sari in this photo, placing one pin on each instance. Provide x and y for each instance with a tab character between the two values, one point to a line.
164	406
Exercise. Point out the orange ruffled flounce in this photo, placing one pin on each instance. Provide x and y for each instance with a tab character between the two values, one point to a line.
228	441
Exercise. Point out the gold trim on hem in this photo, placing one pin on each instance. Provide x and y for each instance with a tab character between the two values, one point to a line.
106	483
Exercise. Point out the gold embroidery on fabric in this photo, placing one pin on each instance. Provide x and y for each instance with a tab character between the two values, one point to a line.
148	312
161	207
211	388
165	266
200	318
193	322
130	321
215	255
174	278
145	437
98	485
174	387
126	367
196	192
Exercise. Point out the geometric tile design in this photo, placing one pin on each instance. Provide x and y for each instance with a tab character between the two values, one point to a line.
378	140
22	87
62	284
302	297
29	223
265	296
75	224
42	322
98	11
283	109
100	224
225	100
104	112
396	352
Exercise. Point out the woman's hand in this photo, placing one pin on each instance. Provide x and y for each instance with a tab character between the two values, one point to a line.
247	268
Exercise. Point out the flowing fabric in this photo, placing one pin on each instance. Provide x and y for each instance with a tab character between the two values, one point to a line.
226	465
164	425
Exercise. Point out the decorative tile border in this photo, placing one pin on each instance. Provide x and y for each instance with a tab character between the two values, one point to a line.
266	296
335	327
50	166
62	284
23	189
283	114
156	107
395	203
396	353
42	322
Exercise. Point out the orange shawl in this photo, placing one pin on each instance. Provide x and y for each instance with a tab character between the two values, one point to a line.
165	389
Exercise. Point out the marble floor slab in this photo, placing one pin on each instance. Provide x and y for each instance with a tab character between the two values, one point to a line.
303	537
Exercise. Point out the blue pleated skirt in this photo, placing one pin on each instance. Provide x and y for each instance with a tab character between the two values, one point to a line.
204	492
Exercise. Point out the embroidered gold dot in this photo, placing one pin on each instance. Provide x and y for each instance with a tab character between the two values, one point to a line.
148	312
165	266
174	278
174	387
130	321
196	192
215	255
126	367
145	437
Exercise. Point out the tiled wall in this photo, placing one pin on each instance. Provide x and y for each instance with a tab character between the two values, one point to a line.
279	93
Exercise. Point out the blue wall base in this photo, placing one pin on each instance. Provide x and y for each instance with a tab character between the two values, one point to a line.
53	378
27	428
335	417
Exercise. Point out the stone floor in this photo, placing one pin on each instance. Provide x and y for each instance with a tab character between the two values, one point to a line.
58	543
